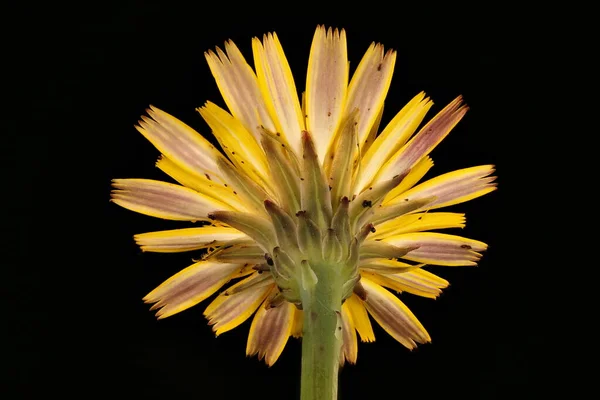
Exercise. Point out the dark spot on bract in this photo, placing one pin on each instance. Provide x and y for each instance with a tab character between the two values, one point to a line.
301	178
379	67
211	216
242	161
278	134
269	259
329	113
367	203
208	177
330	188
465	246
233	152
234	192
225	184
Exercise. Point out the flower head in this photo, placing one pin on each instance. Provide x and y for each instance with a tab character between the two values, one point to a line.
305	189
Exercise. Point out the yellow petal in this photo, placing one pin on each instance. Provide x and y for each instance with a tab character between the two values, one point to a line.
186	147
239	87
350	345
452	188
424	141
384	266
360	318
179	240
270	331
239	145
425	221
416	281
298	324
226	312
394	136
189	287
326	85
278	89
163	200
393	316
414	176
201	184
439	248
369	86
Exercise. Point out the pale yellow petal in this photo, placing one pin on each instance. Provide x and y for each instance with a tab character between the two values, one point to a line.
326	86
240	146
439	248
350	346
164	200
414	176
189	287
452	188
201	184
226	312
270	331
369	86
179	240
424	141
278	89
394	136
393	316
360	318
239	87
182	144
424	221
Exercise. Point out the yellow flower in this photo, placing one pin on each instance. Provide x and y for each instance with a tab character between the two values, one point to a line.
298	181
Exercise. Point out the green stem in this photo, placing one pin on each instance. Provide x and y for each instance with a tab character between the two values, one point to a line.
322	335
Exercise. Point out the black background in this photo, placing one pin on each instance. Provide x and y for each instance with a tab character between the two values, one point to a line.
76	322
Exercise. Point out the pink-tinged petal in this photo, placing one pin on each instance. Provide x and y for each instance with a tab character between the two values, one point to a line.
350	345
424	221
190	286
188	239
369	86
452	188
416	281
163	200
180	143
326	86
269	332
360	318
439	248
228	311
278	89
394	136
393	316
424	141
239	87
